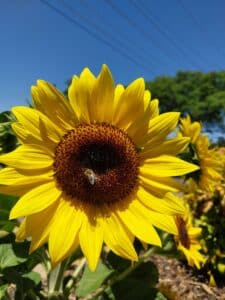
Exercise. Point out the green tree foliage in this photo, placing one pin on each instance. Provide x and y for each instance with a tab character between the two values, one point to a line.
202	95
8	141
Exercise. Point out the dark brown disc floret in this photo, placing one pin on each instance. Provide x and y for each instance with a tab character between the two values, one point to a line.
182	233
96	164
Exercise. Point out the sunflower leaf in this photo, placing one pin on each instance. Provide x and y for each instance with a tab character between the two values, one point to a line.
116	262
32	278
3	289
7	202
90	281
133	289
146	272
9	257
140	284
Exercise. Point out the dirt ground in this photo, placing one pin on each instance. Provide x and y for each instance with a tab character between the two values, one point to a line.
177	282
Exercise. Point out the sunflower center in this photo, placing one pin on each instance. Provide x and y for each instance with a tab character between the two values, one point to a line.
96	164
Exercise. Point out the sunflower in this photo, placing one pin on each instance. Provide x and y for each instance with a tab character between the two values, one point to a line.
190	129
208	176
187	240
95	169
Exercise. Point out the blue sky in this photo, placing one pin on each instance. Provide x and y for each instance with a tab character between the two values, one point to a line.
145	38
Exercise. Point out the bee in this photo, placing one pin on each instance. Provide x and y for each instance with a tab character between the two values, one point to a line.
91	176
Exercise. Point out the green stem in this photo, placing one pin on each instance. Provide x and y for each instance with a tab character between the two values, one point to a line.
56	277
119	277
75	274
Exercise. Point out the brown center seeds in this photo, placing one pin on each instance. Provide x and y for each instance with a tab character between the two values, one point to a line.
96	164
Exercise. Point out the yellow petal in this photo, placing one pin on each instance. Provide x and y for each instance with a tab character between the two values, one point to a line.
36	200
18	190
166	166
91	240
37	124
163	222
22	134
28	157
21	233
211	173
102	97
147	99
194	232
10	176
169	204
160	127
168	147
119	89
131	104
139	128
117	238
137	220
37	226
52	103
63	238
25	137
161	186
22	181
154	107
80	94
195	131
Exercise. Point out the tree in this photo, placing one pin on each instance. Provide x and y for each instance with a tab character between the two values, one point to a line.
202	95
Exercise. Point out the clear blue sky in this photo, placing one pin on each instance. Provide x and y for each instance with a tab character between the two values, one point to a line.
135	38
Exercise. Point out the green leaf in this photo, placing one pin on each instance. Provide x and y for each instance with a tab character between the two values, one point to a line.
4	213
146	272
33	276
160	296
30	281
21	249
133	289
140	284
26	284
8	258
90	281
116	262
3	289
7	226
7	202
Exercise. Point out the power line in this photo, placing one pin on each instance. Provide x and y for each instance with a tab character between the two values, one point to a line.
172	41
142	51
135	25
198	24
91	33
104	32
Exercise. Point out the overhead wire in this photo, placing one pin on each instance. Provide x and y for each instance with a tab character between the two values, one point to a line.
136	26
148	16
201	29
93	34
104	32
141	51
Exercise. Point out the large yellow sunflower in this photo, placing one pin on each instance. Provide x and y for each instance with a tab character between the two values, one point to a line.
188	240
95	169
208	176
